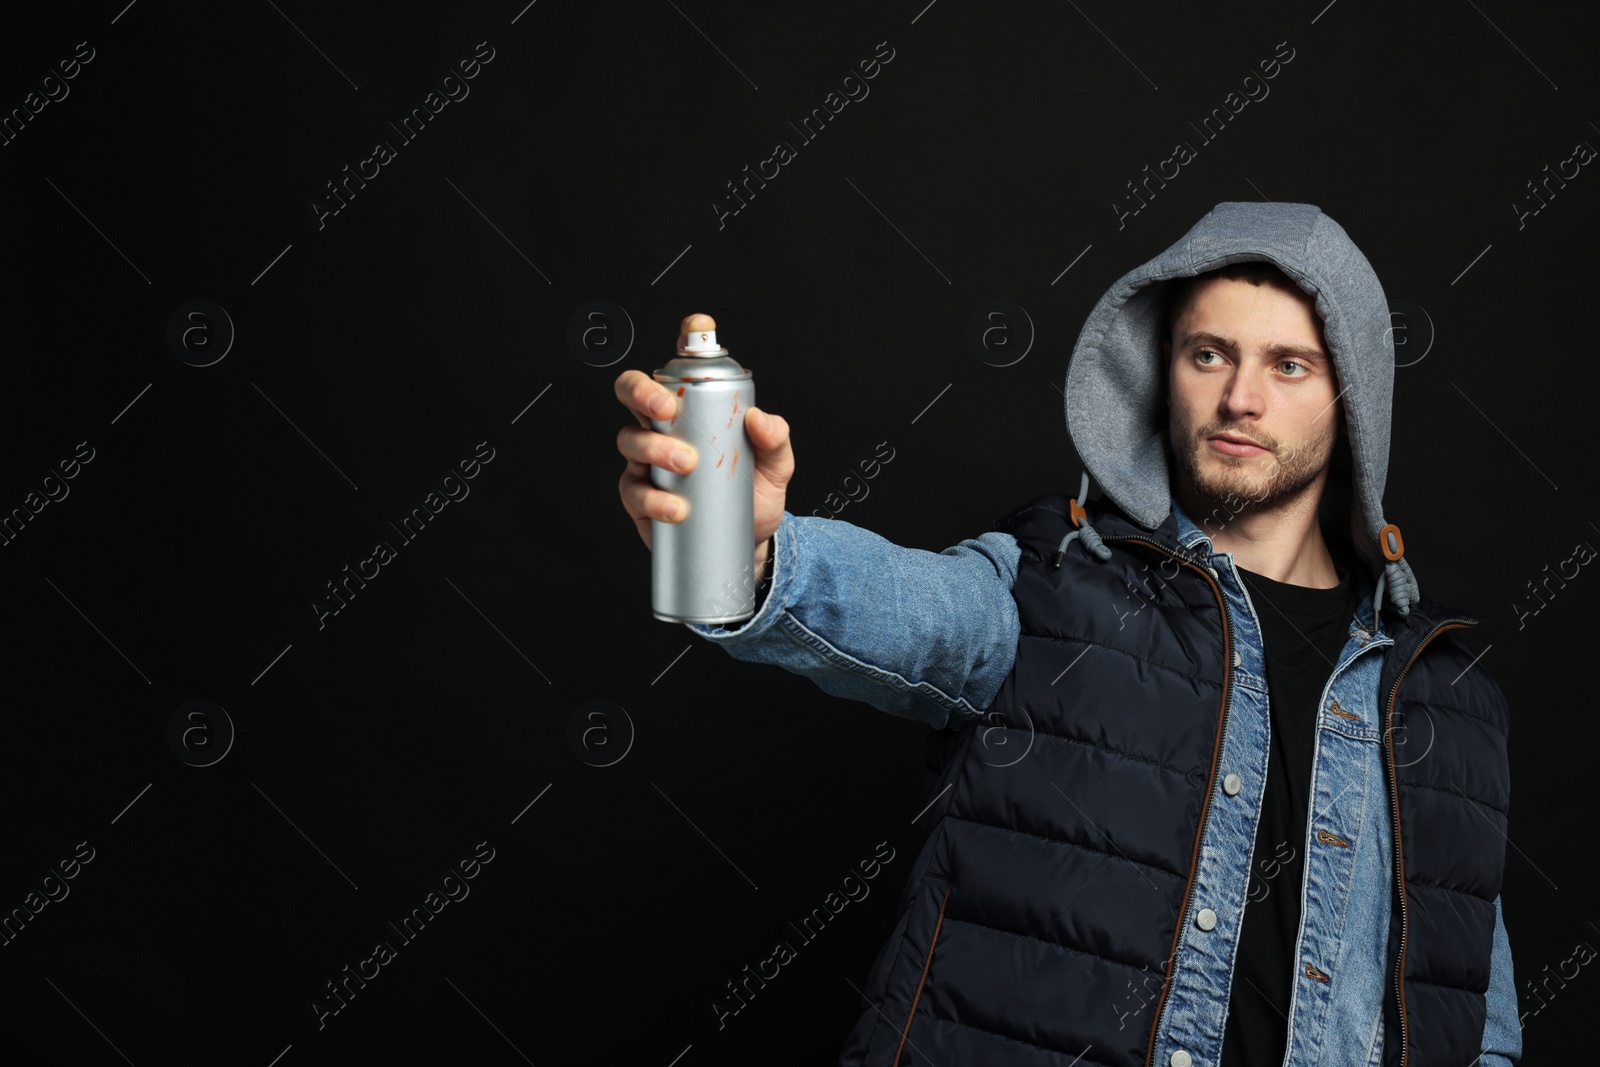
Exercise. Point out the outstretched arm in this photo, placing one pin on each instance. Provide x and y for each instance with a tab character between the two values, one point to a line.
923	635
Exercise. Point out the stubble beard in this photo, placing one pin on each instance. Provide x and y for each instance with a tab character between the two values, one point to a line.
1258	483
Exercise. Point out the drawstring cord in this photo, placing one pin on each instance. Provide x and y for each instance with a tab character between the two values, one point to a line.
1080	519
1397	577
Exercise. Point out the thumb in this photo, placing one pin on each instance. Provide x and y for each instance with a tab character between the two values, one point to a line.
763	422
769	440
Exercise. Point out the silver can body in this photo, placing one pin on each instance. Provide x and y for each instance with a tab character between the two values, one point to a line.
702	568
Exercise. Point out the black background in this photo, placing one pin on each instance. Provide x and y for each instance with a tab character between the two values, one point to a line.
376	351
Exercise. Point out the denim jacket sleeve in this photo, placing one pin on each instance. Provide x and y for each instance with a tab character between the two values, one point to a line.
1502	1030
923	635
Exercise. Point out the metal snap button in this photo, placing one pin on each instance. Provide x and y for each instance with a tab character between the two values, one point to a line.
1230	784
1206	920
1180	1058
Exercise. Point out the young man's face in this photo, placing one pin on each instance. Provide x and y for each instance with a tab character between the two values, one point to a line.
1247	361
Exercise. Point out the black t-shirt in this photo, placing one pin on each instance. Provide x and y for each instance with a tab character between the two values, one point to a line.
1303	632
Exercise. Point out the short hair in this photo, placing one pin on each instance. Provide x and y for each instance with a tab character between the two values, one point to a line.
1257	272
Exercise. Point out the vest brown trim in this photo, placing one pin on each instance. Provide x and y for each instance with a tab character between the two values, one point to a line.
906	1033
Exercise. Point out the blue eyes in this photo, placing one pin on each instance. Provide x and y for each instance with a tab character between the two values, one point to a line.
1304	370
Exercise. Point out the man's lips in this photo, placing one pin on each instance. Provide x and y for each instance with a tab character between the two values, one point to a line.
1234	445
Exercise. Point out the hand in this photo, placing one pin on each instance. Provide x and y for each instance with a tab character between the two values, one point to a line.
644	447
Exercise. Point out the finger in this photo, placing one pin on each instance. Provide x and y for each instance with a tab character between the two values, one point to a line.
694	324
646	446
643	500
640	394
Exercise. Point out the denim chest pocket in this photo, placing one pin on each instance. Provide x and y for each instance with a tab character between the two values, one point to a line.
1347	722
1243	679
1358	725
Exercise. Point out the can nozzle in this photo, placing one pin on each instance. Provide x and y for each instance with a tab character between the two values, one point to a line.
702	343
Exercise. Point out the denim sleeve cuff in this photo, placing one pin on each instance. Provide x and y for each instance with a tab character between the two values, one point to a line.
1502	1030
779	594
914	633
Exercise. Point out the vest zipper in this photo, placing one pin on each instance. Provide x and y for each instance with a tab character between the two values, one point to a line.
1394	794
1216	751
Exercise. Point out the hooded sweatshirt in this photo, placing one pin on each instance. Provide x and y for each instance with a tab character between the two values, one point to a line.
1115	407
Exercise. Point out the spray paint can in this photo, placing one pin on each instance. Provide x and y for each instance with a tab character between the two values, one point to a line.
702	567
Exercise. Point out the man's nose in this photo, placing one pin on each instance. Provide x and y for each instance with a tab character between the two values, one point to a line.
1242	395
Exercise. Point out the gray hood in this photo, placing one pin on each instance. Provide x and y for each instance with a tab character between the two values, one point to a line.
1115	407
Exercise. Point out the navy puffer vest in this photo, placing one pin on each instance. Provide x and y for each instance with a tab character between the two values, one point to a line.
1048	881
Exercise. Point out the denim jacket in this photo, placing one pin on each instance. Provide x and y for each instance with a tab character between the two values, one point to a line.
931	636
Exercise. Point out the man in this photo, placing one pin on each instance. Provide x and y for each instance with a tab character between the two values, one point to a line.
1252	798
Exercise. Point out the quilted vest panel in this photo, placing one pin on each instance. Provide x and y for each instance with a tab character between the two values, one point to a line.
1067	821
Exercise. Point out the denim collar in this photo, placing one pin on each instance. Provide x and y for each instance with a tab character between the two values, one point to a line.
1191	537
